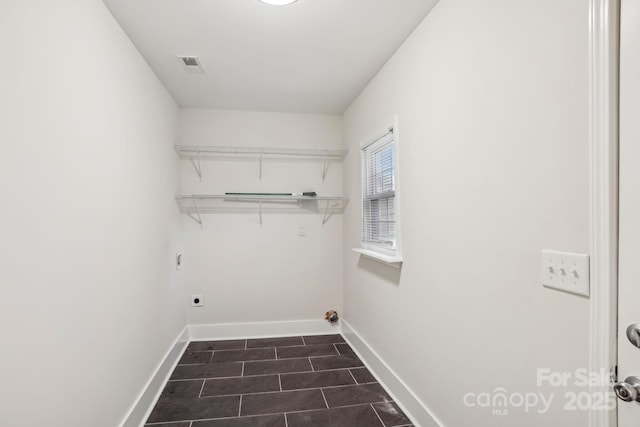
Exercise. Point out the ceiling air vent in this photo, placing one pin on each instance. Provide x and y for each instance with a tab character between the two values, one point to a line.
191	64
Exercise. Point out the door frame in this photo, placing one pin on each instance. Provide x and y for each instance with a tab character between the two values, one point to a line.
604	31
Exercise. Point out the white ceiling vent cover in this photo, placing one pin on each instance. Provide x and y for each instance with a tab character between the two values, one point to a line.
191	64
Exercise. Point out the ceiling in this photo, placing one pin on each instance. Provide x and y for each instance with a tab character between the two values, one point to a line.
313	56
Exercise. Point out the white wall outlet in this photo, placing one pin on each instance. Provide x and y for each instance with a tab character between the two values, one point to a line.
302	230
565	271
178	260
197	301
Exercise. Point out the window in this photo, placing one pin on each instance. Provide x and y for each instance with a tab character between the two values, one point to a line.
379	202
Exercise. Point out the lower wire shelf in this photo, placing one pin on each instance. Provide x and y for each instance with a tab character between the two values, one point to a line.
195	205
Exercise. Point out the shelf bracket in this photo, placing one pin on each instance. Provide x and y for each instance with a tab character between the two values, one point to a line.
260	171
197	218
325	168
260	202
196	164
327	215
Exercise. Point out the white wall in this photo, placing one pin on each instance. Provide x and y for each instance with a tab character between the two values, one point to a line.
492	104
89	297
247	272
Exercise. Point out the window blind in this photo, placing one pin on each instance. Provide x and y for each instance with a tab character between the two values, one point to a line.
378	210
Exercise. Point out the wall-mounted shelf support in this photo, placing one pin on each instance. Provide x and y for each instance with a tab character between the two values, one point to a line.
326	215
197	218
195	161
195	153
197	204
325	168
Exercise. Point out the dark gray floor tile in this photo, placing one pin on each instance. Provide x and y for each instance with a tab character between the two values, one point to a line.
185	424
209	370
216	345
274	342
391	415
241	385
306	351
239	375
194	409
343	348
277	366
194	357
244	355
355	395
323	339
362	375
256	421
348	360
284	401
316	379
189	389
353	416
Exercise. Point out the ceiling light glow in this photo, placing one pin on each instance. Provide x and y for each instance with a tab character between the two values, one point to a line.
278	2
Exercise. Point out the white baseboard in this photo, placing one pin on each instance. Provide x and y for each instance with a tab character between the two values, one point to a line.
141	410
399	391
261	329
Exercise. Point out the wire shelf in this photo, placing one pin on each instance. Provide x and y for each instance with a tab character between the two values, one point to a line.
194	205
195	153
189	151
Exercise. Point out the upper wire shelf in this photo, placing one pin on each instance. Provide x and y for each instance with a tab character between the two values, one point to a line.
191	150
195	153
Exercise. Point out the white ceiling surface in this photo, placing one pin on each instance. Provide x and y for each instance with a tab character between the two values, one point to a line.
313	56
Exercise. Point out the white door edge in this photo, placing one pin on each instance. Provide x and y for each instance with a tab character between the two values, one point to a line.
603	171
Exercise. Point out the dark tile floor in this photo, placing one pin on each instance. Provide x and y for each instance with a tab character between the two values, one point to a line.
274	382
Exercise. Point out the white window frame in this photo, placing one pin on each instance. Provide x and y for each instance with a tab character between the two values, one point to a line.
387	254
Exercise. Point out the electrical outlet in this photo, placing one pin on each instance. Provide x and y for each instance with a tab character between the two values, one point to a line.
197	301
565	271
302	230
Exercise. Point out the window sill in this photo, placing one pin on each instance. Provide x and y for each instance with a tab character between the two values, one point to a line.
393	261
